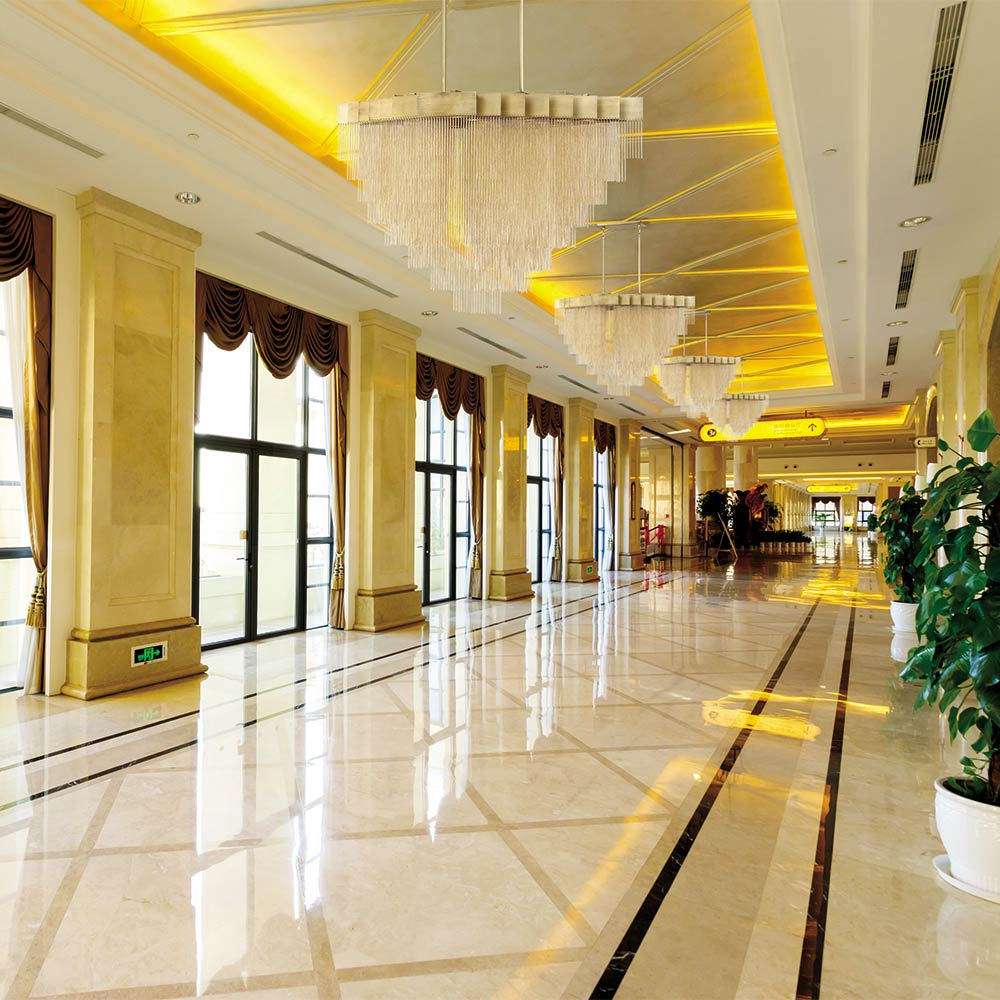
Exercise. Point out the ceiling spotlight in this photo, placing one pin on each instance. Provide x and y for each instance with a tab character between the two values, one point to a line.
914	220
832	151
843	260
429	312
193	136
541	366
188	197
898	322
511	318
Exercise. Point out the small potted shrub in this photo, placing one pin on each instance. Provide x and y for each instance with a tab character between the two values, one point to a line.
899	524
958	667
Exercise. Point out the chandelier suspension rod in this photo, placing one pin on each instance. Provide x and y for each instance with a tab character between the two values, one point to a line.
444	46
638	254
604	236
521	41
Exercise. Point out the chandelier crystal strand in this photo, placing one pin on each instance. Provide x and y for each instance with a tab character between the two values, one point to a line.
737	412
481	187
695	382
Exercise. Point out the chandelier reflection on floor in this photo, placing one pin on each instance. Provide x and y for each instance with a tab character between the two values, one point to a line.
481	187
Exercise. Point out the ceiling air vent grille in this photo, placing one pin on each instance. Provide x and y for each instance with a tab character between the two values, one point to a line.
886	386
492	343
947	39
908	263
49	131
292	248
890	357
579	385
631	409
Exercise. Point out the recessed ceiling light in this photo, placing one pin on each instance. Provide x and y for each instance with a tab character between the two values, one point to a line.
898	322
845	320
843	260
510	318
429	312
541	366
188	197
914	220
193	136
886	374
832	151
608	398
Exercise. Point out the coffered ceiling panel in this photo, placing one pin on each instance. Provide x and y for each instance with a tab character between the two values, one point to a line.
712	183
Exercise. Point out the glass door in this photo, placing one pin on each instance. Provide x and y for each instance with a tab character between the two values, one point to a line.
541	453
223	545
277	543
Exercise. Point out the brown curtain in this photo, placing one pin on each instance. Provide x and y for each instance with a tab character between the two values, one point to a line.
548	420
462	390
228	312
338	461
26	244
606	441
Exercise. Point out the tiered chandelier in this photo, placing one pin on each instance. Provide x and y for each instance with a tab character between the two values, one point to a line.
737	412
620	337
696	382
481	187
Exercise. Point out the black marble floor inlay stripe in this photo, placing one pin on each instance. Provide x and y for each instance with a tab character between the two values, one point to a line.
594	604
811	963
48	755
611	978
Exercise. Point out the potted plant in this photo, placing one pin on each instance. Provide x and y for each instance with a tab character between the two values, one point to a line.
958	667
872	523
899	523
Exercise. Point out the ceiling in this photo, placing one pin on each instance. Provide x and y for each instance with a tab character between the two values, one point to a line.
711	185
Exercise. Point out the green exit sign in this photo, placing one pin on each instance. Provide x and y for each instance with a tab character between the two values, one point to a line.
154	653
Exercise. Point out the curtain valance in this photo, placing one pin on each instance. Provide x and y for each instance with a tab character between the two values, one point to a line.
456	388
604	436
547	417
228	312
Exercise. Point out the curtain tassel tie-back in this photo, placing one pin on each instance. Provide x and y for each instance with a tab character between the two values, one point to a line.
35	617
611	542
338	571
476	561
557	547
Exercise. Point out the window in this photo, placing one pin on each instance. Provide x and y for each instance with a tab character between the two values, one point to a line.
541	460
17	569
600	513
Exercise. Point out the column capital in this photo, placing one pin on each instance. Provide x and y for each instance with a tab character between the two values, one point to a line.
630	427
94	201
946	339
509	373
582	406
376	317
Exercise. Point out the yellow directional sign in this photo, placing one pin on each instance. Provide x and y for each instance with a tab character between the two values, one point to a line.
768	430
831	487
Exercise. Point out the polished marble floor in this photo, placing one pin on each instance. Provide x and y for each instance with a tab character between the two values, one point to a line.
607	791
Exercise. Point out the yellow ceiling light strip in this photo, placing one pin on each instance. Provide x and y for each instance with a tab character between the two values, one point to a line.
763	215
736	248
763	269
712	131
688	53
767	323
808	307
760	290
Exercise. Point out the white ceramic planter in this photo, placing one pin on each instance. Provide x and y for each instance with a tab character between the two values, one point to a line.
904	616
970	832
902	643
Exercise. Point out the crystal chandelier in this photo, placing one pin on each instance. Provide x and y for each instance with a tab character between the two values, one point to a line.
481	187
619	337
737	412
697	381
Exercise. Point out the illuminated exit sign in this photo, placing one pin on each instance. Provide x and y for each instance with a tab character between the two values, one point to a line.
154	653
768	430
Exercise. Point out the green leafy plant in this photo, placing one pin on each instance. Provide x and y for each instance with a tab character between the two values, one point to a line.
873	522
899	522
958	667
774	512
715	504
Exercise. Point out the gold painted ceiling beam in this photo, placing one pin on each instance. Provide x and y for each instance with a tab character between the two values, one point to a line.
752	292
733	131
800	269
807	306
763	269
766	324
762	215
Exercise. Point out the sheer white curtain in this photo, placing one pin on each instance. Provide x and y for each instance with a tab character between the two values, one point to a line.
14	315
606	558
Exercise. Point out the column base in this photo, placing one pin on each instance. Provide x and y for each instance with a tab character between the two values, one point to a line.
630	561
100	662
381	610
581	571
688	551
510	585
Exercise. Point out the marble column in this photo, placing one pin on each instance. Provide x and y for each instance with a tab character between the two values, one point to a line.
386	374
949	399
507	484
133	583
578	492
745	475
972	365
629	496
710	467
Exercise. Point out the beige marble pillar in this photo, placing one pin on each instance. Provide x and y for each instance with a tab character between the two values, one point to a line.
949	400
629	496
972	357
133	583
710	467
507	484
385	375
745	474
578	492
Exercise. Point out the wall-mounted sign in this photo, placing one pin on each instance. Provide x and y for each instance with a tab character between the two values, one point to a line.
768	430
155	652
925	442
830	487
